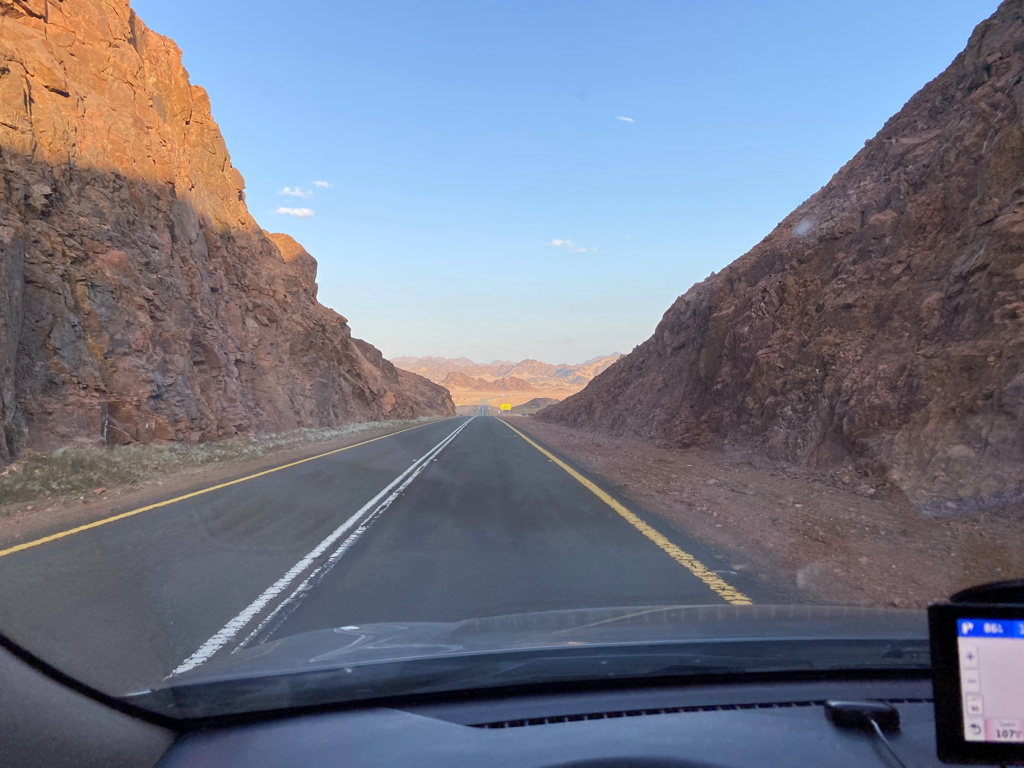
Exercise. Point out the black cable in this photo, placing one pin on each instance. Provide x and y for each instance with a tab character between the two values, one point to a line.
885	741
866	716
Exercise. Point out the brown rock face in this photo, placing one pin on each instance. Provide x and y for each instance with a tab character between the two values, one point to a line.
882	323
138	298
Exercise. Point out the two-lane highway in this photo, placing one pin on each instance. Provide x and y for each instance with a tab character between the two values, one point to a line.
455	519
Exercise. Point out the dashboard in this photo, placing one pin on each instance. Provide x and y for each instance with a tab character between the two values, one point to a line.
716	725
46	721
722	718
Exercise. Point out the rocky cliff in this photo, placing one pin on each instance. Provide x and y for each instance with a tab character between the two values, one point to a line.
138	298
880	327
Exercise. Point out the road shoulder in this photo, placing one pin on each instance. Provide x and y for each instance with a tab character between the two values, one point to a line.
823	543
28	520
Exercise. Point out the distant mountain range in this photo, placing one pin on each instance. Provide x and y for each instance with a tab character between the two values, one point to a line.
463	373
459	380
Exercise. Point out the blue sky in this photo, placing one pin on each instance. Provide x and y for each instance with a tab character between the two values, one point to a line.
487	199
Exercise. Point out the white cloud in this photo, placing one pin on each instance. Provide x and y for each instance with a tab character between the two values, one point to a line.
571	247
322	184
299	213
625	119
297	192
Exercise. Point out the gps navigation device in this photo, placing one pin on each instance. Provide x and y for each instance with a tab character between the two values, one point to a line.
978	677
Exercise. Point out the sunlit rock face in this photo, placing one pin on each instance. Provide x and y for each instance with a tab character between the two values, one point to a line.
139	300
880	327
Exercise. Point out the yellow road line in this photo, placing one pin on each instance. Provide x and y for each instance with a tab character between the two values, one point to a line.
123	515
717	584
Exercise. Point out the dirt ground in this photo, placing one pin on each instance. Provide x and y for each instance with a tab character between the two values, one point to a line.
828	539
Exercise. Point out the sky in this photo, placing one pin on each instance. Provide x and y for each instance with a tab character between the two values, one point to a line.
541	179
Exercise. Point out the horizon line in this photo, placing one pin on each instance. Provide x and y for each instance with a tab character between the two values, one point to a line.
498	360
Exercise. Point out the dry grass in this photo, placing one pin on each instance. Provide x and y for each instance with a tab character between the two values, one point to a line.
74	470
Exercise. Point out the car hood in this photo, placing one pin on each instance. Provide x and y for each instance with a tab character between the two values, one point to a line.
397	658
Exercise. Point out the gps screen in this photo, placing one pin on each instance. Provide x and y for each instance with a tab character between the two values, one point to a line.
991	653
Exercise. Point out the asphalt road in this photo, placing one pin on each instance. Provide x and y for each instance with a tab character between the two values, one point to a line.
455	519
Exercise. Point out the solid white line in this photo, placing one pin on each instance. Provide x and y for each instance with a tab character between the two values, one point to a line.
238	623
317	575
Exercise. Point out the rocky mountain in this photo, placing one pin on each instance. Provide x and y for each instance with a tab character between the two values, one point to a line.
532	406
880	327
459	380
538	375
139	300
511	384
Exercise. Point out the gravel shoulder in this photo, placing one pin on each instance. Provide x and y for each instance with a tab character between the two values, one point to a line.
831	539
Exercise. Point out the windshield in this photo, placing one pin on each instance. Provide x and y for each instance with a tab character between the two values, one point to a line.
375	349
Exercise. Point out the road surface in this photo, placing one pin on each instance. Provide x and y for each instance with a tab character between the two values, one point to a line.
455	519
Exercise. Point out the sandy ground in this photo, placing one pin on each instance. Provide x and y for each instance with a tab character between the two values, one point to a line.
831	541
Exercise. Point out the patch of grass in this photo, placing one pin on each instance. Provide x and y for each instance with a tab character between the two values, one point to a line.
74	470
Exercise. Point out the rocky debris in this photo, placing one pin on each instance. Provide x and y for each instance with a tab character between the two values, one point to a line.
139	300
536	374
879	329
